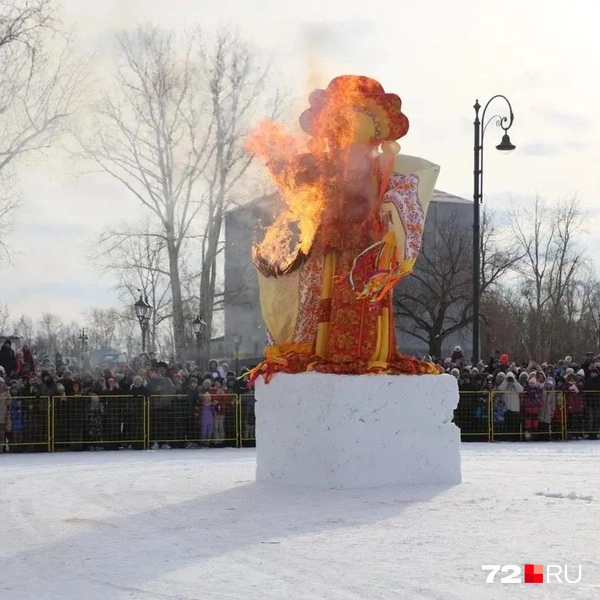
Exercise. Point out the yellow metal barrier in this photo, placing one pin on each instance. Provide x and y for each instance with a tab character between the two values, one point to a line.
182	421
28	424
247	420
121	421
106	422
472	416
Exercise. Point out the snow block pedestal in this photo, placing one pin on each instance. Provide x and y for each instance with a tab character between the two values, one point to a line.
365	431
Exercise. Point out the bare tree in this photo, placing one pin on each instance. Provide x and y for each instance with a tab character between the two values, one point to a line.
128	331
4	319
137	256
48	339
546	236
102	326
437	299
170	132
40	79
590	318
235	84
25	329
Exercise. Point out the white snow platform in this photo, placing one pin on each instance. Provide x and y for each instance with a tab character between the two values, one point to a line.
357	431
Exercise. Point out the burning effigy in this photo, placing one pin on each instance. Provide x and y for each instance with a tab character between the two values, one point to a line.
350	230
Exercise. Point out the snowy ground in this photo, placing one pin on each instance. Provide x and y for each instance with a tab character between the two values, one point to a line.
192	524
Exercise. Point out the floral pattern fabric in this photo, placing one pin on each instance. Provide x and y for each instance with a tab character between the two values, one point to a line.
403	193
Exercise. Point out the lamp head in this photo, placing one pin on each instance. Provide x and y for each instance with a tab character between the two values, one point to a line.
143	310
198	325
505	145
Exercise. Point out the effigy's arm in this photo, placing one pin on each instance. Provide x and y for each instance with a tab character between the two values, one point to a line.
403	211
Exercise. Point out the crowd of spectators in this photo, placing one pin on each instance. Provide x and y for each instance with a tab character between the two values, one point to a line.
528	400
102	406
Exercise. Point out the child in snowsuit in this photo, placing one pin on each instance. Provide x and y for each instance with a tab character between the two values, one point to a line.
206	418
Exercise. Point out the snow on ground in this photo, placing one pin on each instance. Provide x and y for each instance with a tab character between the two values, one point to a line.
187	525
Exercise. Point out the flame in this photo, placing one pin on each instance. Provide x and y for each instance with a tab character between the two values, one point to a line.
295	228
337	120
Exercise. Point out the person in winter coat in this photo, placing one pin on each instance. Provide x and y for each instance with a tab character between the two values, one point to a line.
16	426
575	408
213	369
133	417
458	357
7	358
193	392
113	413
548	406
47	386
223	370
206	418
532	402
500	410
510	390
4	413
592	401
162	391
464	414
28	359
18	372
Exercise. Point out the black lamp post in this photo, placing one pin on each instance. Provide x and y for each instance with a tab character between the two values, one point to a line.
505	145
143	311
83	338
199	327
237	342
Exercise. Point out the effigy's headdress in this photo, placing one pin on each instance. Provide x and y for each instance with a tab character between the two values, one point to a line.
354	109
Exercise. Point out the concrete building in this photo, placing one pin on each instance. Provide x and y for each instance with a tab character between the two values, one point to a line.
243	317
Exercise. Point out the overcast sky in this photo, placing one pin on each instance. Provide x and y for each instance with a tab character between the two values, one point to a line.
438	55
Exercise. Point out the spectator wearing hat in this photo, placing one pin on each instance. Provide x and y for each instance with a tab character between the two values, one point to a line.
592	400
28	361
511	391
575	408
587	363
7	358
464	413
548	407
532	403
458	357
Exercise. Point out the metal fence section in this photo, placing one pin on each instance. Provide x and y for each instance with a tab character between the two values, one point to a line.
193	420
471	416
107	422
582	414
113	422
501	416
28	424
247	420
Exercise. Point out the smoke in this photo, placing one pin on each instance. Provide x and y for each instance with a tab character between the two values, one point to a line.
316	38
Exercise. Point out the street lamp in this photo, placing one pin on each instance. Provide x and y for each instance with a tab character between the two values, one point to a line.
505	145
237	342
199	327
83	338
143	311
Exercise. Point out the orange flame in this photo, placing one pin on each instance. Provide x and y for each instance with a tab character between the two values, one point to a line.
295	227
349	115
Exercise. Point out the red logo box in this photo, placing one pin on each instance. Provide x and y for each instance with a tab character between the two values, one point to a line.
533	573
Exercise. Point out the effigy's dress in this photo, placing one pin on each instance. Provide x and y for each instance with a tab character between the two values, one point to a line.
314	317
331	310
